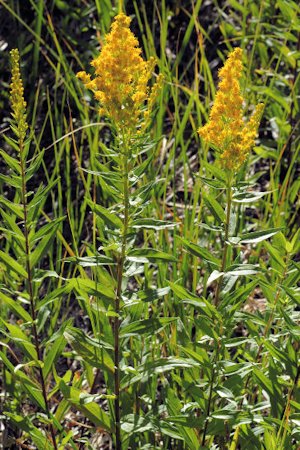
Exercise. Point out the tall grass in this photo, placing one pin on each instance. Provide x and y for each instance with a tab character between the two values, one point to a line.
208	344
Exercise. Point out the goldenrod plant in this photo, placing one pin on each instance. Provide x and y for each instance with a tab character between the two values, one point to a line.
121	86
27	245
149	231
231	137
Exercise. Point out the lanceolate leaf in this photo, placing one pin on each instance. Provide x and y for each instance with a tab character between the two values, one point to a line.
91	410
12	264
16	307
152	224
249	197
26	424
201	252
53	354
160	365
109	218
43	246
150	326
258	236
13	207
149	254
93	288
215	208
92	351
27	384
13	163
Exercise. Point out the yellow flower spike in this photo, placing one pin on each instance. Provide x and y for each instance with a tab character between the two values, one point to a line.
18	104
226	128
121	77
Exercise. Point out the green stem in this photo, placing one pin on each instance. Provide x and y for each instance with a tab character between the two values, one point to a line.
227	225
217	299
120	267
209	403
30	289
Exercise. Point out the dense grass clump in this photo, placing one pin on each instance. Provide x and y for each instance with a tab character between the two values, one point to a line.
149	204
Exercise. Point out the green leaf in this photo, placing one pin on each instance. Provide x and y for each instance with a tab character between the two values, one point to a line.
140	327
199	355
183	293
91	287
186	421
53	354
152	224
91	261
34	165
46	229
224	414
214	183
201	252
109	218
149	295
10	222
12	264
26	424
258	236
39	199
57	294
215	171
16	307
238	270
133	423
13	207
215	208
214	276
12	180
276	256
174	409
21	339
192	299
149	254
263	381
160	365
32	389
249	197
90	410
12	163
91	350
43	246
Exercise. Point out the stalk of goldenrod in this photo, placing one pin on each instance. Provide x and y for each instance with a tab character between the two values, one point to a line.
120	267
232	137
230	134
18	106
120	84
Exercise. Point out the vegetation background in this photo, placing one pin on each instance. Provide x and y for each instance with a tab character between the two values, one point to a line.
194	376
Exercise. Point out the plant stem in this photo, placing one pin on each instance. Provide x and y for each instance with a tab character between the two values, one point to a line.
213	377
30	288
121	260
227	225
217	299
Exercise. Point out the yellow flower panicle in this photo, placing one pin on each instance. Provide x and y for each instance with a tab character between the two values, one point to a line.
226	128
121	77
18	103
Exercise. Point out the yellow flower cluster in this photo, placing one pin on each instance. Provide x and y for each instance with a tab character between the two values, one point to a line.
121	78
18	103
226	129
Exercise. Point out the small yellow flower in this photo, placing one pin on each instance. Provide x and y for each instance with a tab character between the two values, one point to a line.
226	128
121	77
18	104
